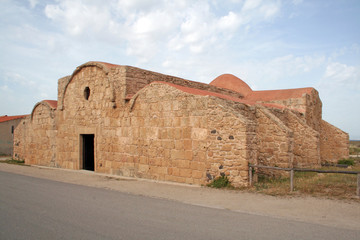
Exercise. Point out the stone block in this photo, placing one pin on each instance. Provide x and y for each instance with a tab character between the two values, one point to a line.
186	173
197	174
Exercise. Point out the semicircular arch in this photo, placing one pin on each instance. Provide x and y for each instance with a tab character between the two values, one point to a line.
99	65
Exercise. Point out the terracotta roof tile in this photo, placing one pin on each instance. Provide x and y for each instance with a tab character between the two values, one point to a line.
269	95
9	118
234	83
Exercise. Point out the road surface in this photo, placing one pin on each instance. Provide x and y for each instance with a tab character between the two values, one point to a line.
34	208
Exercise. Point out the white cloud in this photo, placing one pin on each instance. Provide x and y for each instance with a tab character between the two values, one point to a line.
255	11
279	72
146	26
33	3
251	4
341	75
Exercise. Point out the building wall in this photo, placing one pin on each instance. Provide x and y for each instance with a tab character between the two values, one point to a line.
137	78
231	140
313	113
163	136
6	136
94	115
306	140
150	129
21	140
162	133
124	139
334	143
41	135
276	141
183	137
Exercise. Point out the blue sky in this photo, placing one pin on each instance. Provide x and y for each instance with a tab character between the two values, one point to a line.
270	44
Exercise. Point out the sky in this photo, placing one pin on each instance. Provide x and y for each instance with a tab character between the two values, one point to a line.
269	44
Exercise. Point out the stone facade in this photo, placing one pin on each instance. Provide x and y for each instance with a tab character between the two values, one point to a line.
35	137
132	122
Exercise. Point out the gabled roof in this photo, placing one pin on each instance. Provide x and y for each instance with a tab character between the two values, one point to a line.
6	118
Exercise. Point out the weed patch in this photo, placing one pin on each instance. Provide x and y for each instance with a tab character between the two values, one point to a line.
349	162
14	161
220	182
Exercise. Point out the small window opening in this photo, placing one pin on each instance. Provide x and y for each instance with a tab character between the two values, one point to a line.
12	129
87	93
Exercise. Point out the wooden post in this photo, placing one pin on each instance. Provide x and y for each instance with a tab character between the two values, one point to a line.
291	180
250	176
358	185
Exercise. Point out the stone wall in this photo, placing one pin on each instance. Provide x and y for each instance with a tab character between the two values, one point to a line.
276	141
159	130
94	115
164	136
162	133
309	104
169	135
62	83
306	140
35	137
21	140
313	113
42	136
334	143
231	141
137	78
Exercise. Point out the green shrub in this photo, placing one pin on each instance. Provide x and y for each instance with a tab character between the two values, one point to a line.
349	162
220	182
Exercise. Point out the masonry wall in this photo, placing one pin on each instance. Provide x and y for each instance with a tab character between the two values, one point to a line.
138	78
166	135
95	115
163	136
276	141
306	140
309	104
161	133
231	141
62	83
313	113
6	136
41	136
334	143
153	130
21	139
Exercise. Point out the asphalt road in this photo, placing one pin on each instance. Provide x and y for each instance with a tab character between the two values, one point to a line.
33	208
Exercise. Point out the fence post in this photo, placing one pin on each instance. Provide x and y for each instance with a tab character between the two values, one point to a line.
291	180
250	176
358	185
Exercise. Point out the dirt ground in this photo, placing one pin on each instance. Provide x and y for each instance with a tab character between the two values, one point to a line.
336	213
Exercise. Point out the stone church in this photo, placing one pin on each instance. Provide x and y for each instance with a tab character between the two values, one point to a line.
132	122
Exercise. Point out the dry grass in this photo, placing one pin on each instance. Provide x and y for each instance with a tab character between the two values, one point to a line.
329	185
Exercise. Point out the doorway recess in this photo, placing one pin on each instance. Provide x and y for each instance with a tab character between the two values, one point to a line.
87	141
